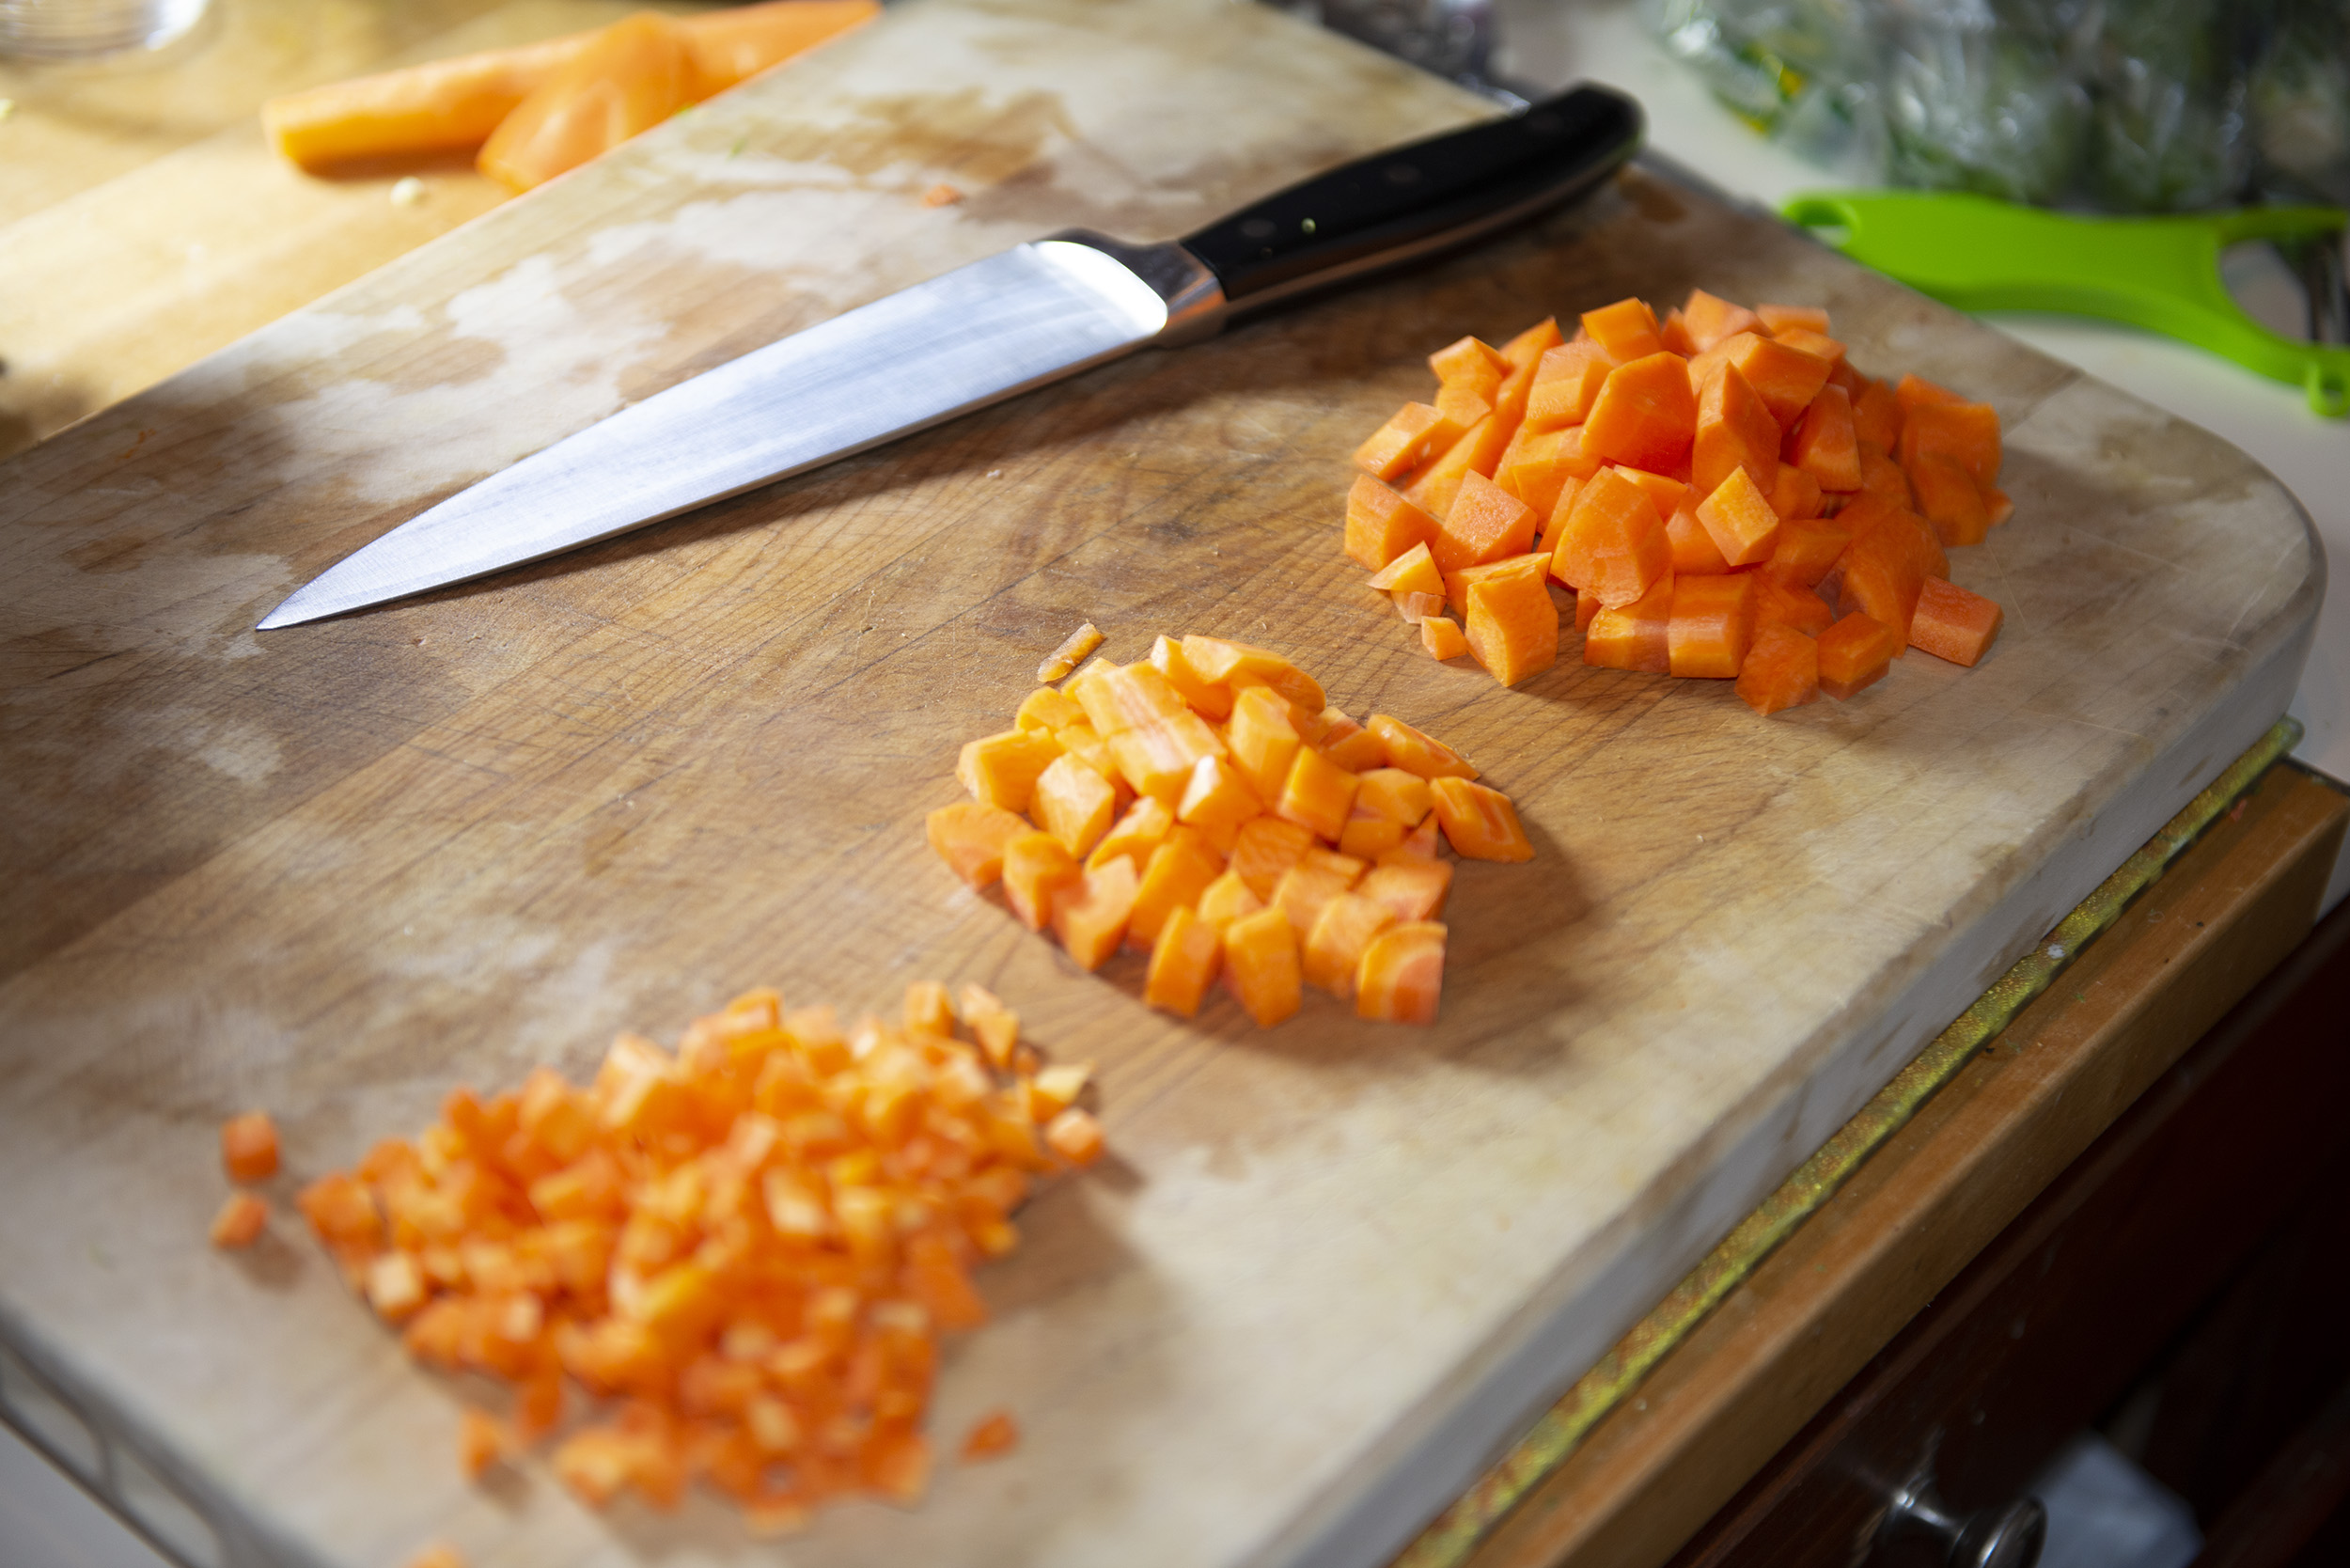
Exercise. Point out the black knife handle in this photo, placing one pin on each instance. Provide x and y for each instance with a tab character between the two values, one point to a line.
1413	200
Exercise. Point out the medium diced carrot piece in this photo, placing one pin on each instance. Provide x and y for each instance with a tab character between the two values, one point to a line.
1263	741
1412	571
1075	1137
1613	544
248	1147
1818	343
1401	978
1081	743
1218	800
970	836
1382	524
1177	872
1529	347
1334	947
1512	626
1711	626
1073	803
1693	547
1854	653
1882	478
1739	517
1566	384
1966	433
1463	406
1885	567
1411	889
1227	899
1877	416
1047	709
1318	794
1479	823
1544	464
1781	319
1485	523
1184	962
1266	848
1260	965
1914	392
1710	320
1416	753
995	1434
1368	834
1090	917
1348	744
1948	497
1394	793
1634	636
1665	493
1037	866
1646	414
1509	401
1001	769
1782	670
1238	663
1672	334
1626	329
1786	378
1469	362
1442	636
1534	565
1479	451
1783	600
1420	845
240	1221
1116	697
1208	699
1734	430
1953	624
1156	758
1319	877
1824	445
1795	493
1410	437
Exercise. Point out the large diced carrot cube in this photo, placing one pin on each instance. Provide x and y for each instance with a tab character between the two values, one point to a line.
1953	624
1711	626
1914	392
1479	823
1883	479
1782	670
1740	519
1037	866
1541	464
1135	835
970	836
1950	498
1818	343
1413	889
1566	384
1268	847
1382	524
1512	626
1885	567
1693	545
1179	872
1786	378
1854	653
1779	319
1401	977
1238	663
1626	329
1184	962
1001	769
1395	794
1468	362
1319	877
1709	320
1529	347
1413	434
1341	933
1226	900
1646	414
1046	708
1485	523
1318	794
1734	430
1613	544
1260	965
1156	758
1477	451
1824	445
1073	804
1218	799
1090	917
1966	433
1117	698
1417	753
1634	636
1263	741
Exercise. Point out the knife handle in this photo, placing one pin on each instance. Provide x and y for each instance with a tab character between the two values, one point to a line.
1411	201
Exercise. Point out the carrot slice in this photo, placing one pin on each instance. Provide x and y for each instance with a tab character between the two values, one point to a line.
248	1147
1626	329
1824	445
1401	976
1854	653
1542	465
1646	414
1953	624
1184	962
633	75
1634	636
1071	652
1260	965
1513	627
1416	753
735	44
1711	625
1218	800
970	836
1782	670
1381	524
1740	519
1479	823
1613	543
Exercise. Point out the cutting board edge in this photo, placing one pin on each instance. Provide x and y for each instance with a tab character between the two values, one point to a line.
1377	1511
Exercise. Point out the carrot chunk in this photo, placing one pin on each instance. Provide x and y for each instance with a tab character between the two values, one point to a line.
1885	567
1318	794
240	1221
1178	871
1266	848
1401	976
1001	769
1780	600
1469	362
1824	445
1036	867
1913	392
1540	465
1412	571
1135	834
1613	544
1218	799
1412	887
1072	802
1513	627
248	1147
1238	663
1263	741
1319	877
970	836
1948	499
1417	753
1734	430
1260	965
1090	917
1441	636
1529	347
1966	433
1877	416
1709	319
1740	519
1485	523
1853	653
1711	625
1333	948
1413	434
1566	383
1646	414
1781	670
1477	451
993	1436
1636	636
1626	329
1479	823
1779	319
1693	545
1047	709
1952	623
1227	898
1184	962
1785	378
1382	524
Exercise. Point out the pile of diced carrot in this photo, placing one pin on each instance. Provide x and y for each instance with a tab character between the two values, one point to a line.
1725	494
532	111
747	1246
1208	807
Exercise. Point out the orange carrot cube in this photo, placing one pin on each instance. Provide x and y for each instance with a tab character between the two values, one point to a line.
1566	384
1266	848
1209	699
1485	523
1263	741
1665	493
1818	343
1512	626
1795	493
1411	889
1778	320
1533	567
1882	478
1401	976
1783	600
1073	803
1672	334
1693	545
1914	392
1036	867
1237	663
1318	794
1155	757
1710	320
1885	568
1529	347
1740	519
1393	793
1075	1137
1218	799
1261	967
1468	362
1952	623
1178	870
1441	636
1948	497
1135	836
1786	378
1966	433
1646	414
1477	451
1408	439
970	836
1090	917
1877	416
1541	464
1333	948
1184	962
1046	708
1824	445
1319	877
248	1147
1479	823
1781	670
1853	653
1634	635
1382	524
1416	753
1348	744
1227	899
1626	329
1412	571
1734	430
1711	625
1613	544
240	1221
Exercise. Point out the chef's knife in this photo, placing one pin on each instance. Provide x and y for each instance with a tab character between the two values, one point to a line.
979	333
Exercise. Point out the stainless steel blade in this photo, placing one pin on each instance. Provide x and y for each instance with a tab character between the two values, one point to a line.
924	354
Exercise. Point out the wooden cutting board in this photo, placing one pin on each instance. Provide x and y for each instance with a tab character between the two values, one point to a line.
334	869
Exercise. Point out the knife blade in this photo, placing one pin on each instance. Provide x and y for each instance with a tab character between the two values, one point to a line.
977	335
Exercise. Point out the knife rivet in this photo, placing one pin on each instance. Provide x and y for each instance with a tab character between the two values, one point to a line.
1308	226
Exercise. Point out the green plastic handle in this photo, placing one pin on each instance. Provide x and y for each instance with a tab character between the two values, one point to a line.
1979	254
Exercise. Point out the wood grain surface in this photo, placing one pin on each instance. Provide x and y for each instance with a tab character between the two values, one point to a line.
333	870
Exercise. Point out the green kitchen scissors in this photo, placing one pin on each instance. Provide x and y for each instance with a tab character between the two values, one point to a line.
2160	273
